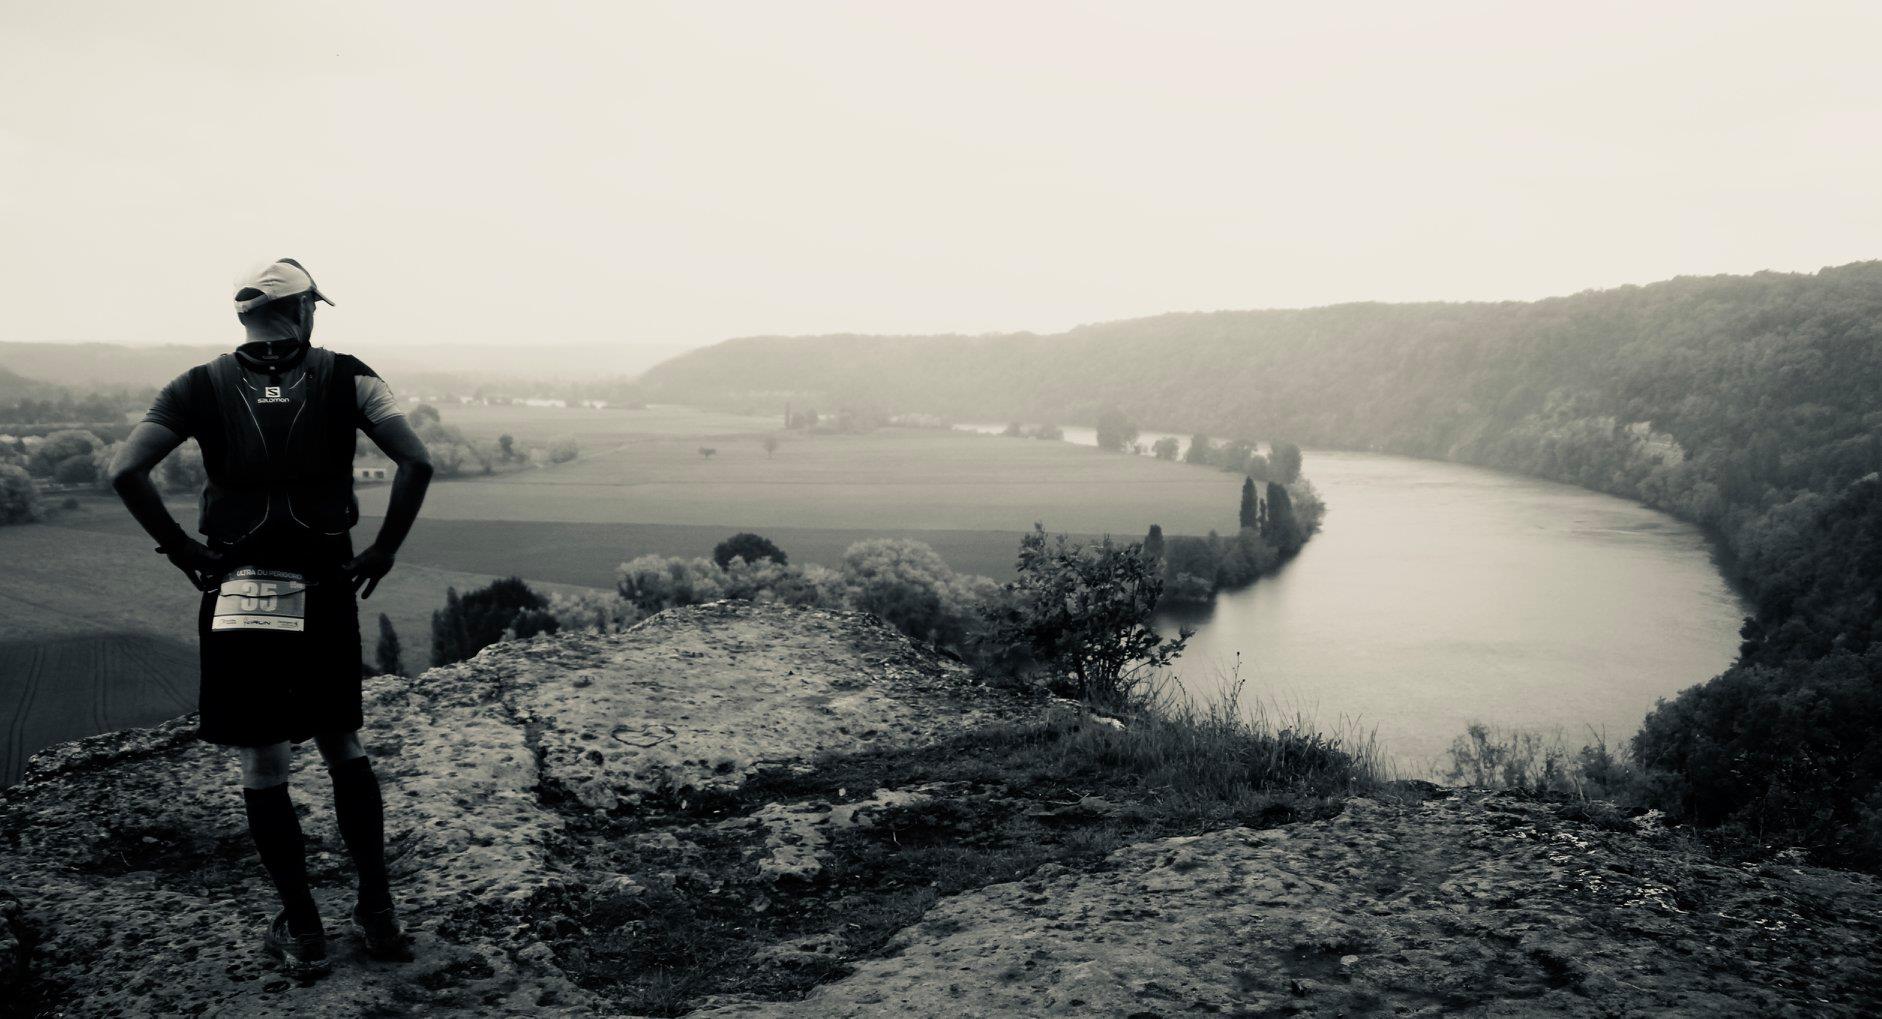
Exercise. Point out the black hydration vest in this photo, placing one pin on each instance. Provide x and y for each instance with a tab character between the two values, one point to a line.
306	485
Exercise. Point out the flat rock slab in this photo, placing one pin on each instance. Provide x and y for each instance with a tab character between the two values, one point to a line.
1471	905
139	891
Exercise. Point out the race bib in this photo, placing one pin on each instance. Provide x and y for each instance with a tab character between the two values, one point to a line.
252	599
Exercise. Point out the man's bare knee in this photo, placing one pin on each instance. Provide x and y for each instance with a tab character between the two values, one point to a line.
336	747
267	766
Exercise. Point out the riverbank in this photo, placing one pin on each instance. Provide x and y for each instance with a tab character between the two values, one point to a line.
745	809
1438	595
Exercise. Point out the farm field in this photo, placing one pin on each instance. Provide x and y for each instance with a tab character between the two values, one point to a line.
921	479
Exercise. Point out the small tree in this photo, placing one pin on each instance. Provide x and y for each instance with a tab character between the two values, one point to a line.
506	446
1153	544
749	547
1283	531
1284	462
1166	448
564	449
423	414
1234	456
1250	513
485	616
1014	430
389	654
1201	450
19	499
1084	611
707	451
1049	432
1115	431
771	445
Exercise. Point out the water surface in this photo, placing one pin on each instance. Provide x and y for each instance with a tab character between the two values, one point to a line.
1439	594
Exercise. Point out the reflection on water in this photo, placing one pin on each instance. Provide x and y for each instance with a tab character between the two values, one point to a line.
1437	595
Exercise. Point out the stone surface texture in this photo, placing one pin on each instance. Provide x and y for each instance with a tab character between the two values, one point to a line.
1470	904
128	885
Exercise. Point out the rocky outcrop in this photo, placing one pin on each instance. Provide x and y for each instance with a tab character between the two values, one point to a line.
138	885
549	795
1466	904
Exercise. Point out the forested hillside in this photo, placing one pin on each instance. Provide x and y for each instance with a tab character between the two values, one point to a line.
1749	404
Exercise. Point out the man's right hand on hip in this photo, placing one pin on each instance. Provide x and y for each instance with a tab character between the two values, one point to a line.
202	564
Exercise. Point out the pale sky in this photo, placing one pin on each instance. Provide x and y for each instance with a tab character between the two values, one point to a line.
664	174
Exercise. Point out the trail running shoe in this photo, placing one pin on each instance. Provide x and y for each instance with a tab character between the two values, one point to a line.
300	954
379	929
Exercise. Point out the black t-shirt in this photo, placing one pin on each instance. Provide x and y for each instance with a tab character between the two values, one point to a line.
276	400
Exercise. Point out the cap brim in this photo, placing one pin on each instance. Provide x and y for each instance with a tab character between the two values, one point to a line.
318	296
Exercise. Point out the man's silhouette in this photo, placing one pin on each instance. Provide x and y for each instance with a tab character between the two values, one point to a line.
277	421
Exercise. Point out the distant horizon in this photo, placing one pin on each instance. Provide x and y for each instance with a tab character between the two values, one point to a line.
675	347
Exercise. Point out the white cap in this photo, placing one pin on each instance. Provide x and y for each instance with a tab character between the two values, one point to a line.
284	277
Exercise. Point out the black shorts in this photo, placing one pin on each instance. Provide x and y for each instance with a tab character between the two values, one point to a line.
261	687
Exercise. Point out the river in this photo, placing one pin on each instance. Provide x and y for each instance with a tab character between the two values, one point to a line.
1437	595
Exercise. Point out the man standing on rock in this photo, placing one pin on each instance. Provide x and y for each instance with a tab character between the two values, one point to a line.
277	421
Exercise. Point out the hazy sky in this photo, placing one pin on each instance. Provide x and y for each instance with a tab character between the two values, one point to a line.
664	174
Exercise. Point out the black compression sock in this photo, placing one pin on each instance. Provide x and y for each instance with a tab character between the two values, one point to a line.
277	834
361	814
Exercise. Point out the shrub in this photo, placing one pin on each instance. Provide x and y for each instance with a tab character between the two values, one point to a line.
561	450
652	583
749	547
467	625
59	447
452	454
1541	765
911	588
19	499
1083	611
76	470
1187	556
766	580
597	611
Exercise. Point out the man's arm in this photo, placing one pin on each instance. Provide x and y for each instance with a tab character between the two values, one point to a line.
396	439
146	447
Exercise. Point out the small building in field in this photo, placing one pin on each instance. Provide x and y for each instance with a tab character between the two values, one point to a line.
371	474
